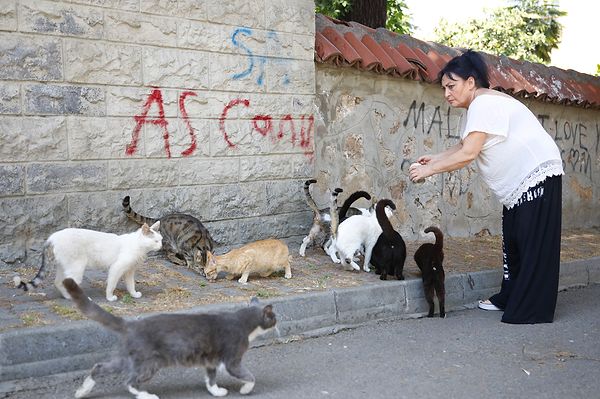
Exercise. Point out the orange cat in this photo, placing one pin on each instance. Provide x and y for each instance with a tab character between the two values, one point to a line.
263	257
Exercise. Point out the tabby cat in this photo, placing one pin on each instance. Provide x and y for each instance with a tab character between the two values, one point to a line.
73	250
429	257
389	252
186	240
320	230
163	340
263	257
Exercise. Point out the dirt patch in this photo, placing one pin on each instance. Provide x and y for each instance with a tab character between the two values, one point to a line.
167	287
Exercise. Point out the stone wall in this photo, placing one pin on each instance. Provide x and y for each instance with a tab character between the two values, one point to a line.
202	107
370	128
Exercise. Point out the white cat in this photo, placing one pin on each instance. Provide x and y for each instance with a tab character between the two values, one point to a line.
355	233
73	250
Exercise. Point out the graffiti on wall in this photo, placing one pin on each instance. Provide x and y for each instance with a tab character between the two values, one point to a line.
299	128
256	64
437	122
575	142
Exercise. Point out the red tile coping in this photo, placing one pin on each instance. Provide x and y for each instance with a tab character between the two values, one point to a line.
384	52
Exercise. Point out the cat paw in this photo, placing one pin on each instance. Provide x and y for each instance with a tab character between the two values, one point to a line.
247	388
111	298
86	387
288	275
136	294
366	269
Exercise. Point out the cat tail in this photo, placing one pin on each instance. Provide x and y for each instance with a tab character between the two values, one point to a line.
350	200
91	310
384	222
439	236
309	199
41	274
335	220
133	215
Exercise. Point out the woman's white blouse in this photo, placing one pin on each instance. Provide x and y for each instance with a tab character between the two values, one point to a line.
518	153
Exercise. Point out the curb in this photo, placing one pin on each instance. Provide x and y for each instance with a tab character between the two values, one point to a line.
56	352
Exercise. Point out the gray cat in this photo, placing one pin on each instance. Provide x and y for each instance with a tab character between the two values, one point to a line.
155	342
185	239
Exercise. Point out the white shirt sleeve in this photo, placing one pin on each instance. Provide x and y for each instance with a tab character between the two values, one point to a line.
488	116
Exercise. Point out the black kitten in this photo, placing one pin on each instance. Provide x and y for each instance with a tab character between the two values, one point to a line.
389	253
154	342
429	258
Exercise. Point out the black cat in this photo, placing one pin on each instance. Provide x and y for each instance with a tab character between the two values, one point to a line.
163	340
389	252
429	257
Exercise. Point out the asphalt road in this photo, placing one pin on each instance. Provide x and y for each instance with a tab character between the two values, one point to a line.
470	354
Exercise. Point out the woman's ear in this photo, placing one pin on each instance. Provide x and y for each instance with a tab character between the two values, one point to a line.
471	82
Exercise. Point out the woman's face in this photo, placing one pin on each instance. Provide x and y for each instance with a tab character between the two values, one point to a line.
458	91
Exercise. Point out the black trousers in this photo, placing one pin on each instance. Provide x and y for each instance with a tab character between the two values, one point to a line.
531	249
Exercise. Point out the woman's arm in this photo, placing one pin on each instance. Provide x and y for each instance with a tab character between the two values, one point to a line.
425	159
454	158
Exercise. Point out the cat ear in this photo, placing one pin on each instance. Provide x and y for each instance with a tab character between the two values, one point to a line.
155	226
145	229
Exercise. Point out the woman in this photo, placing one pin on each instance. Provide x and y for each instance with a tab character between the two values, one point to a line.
521	164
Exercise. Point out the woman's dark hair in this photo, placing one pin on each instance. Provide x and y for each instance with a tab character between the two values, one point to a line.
468	64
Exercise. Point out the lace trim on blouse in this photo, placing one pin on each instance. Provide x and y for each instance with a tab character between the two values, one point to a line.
538	175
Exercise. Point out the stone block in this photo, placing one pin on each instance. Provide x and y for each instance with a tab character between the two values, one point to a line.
295	17
100	211
290	76
246	13
285	196
192	200
64	100
131	101
10	98
224	232
192	9
33	139
142	173
573	274
593	267
8	15
360	304
305	313
185	138
103	63
231	137
128	5
27	58
209	37
268	167
50	17
99	138
280	226
175	68
480	285
193	171
66	177
237	200
12	179
27	222
140	28
237	73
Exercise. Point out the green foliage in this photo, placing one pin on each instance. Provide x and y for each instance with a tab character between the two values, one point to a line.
598	70
398	19
527	30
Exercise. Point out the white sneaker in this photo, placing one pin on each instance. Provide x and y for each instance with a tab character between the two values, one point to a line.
487	305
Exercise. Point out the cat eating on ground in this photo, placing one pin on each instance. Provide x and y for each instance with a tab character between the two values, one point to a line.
429	257
389	252
355	233
320	230
263	257
186	241
73	250
155	342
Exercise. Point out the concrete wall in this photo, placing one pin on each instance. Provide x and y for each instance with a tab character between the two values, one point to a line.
202	107
370	128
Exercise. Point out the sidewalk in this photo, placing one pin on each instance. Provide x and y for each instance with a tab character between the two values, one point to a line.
44	336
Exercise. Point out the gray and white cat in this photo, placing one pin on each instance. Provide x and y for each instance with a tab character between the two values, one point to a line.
186	241
74	250
155	342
